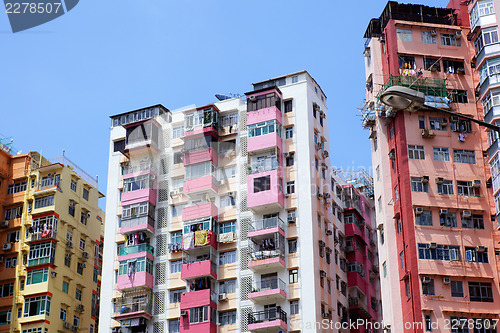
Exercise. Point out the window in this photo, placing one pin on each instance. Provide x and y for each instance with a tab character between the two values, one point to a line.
461	126
85	194
175	266
295	79
459	324
95	275
71	208
415	152
486	37
467	189
292	246
16	188
79	268
175	295
404	35
435	124
446	187
67	259
421	122
13	237
384	268
480	292
438	252
441	154
294	307
227	318
178	157
492	99
459	96
41	253
173	325
473	255
228	120
427	286
316	163
228	257
177	132
268	127
227	201
44	201
11	262
290	187
378	172
402	259
6	289
406	62
226	227
35	306
65	287
199	170
261	184
482	8
417	185
464	156
457	289
137	183
293	275
290	160
428	323
408	289
382	237
288	132
14	213
450	40
82	244
228	286
62	315
290	216
432	64
83	217
37	276
476	222
428	37
177	210
78	294
448	220
228	172
198	315
76	321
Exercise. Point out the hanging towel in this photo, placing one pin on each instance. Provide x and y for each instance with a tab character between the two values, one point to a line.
226	237
200	238
188	241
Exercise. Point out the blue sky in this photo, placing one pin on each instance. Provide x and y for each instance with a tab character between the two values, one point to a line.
61	81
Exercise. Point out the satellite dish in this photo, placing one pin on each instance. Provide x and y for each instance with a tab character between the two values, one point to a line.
222	97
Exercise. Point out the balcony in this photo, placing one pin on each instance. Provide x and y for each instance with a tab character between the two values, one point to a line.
138	196
203	120
137	279
40	261
42	235
268	164
198	239
142	136
206	184
140	309
125	251
263	115
198	298
493	113
487	51
492	150
265	192
266	226
270	290
199	211
144	223
267	255
141	168
193	268
201	154
264	142
269	320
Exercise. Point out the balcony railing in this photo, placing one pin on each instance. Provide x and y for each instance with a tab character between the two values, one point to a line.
135	307
136	249
267	254
267	223
267	315
133	222
40	261
269	284
267	164
127	169
39	235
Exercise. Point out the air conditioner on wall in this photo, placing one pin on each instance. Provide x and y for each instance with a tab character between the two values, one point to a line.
446	280
222	297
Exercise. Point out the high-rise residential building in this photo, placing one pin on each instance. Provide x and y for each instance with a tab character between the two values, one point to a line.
51	237
438	245
484	18
228	218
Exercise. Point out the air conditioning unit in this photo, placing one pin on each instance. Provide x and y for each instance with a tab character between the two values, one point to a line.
425	179
419	211
440	180
433	32
69	244
80	308
454	119
184	313
426	279
5	224
232	194
66	325
7	246
53	274
85	255
477	183
446	280
443	212
252	99
222	297
74	328
329	232
433	246
466	214
427	133
481	249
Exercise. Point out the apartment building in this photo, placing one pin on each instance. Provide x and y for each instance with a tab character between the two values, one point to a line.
225	218
433	194
51	237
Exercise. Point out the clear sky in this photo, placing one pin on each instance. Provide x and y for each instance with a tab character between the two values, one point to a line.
61	81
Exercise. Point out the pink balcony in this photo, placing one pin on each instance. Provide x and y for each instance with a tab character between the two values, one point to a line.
134	310
144	223
264	142
262	115
351	229
268	291
200	211
356	280
269	320
201	130
204	327
133	197
198	269
199	156
265	201
267	265
198	298
138	279
203	184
